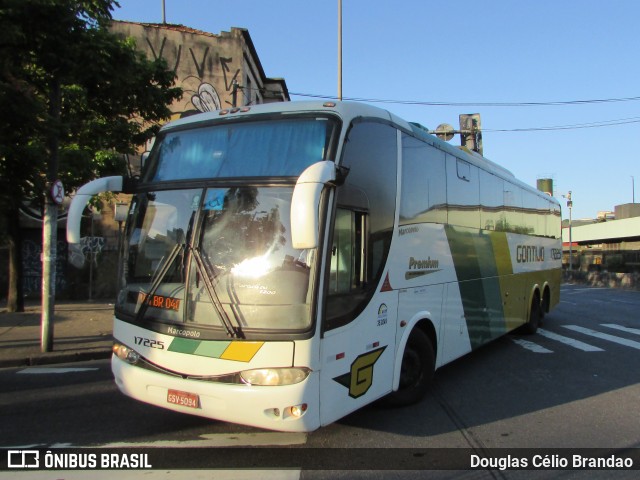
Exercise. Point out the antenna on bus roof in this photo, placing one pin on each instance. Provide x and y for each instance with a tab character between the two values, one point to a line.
420	126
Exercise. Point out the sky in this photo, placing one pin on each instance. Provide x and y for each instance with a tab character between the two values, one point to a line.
556	82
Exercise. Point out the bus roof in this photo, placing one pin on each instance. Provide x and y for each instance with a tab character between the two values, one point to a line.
348	111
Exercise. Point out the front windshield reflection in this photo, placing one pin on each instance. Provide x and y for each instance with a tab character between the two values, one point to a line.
220	257
260	280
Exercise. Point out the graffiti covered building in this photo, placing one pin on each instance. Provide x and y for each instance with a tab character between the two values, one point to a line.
214	70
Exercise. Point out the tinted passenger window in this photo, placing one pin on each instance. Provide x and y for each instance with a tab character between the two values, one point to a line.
492	215
423	196
366	210
463	196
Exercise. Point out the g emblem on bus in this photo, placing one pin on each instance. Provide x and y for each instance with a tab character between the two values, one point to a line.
360	377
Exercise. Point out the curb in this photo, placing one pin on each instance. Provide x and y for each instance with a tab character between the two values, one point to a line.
52	358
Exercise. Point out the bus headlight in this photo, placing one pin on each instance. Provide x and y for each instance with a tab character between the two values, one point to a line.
274	376
125	353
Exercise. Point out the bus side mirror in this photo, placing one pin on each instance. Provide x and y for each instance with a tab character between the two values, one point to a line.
82	197
305	203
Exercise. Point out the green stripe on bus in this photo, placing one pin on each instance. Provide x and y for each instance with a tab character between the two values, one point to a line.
211	349
225	349
474	259
198	347
184	345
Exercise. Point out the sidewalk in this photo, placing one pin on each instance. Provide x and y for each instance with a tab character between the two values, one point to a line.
82	331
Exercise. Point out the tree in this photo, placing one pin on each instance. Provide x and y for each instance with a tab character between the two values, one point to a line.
73	98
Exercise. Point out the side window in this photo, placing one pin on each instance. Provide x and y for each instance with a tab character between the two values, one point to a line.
347	262
554	226
463	196
492	216
513	206
364	219
464	170
423	196
530	213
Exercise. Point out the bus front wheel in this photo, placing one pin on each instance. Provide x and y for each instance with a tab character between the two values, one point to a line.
416	371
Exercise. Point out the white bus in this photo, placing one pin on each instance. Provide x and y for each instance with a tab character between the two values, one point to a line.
287	264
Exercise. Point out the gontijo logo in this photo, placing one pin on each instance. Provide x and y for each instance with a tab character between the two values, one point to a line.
360	378
529	254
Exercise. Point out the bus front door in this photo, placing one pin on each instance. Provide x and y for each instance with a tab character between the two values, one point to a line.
358	359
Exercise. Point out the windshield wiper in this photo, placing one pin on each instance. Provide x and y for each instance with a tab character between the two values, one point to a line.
158	278
207	273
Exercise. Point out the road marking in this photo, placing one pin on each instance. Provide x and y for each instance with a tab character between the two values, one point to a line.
604	336
635	331
48	370
569	341
582	290
626	302
534	347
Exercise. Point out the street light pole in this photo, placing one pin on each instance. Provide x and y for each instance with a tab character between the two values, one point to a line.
570	206
50	224
633	189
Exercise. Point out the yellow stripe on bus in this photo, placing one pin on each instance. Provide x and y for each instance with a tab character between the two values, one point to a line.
241	351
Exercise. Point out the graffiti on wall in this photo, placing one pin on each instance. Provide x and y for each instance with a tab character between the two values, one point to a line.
207	99
32	265
87	249
201	94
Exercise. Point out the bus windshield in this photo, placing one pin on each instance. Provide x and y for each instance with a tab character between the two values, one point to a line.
270	148
219	257
214	250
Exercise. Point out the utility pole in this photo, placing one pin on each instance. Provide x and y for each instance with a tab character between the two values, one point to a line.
53	194
570	206
49	254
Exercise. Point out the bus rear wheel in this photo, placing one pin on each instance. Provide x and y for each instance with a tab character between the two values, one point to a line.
416	371
535	317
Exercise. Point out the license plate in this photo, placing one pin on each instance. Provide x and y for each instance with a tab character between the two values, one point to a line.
184	399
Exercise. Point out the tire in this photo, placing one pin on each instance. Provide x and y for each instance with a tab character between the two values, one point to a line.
535	317
416	371
546	301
